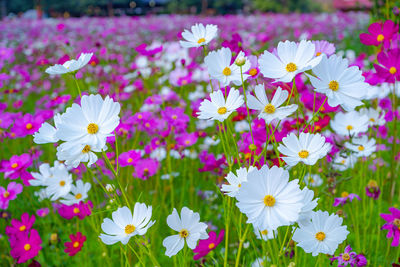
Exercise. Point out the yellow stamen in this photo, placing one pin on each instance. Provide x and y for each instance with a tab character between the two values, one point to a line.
183	233
78	196
269	108
320	236
349	127
76	210
14	165
291	67
227	71
264	232
92	128
211	246
6	194
129	229
345	256
303	154
62	183
86	149
345	194
392	70
361	148
269	201
380	38
222	110
253	72
27	247
201	40
29	126
22	228
318	54
334	85
76	244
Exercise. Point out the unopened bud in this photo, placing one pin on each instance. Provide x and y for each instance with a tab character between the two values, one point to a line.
240	61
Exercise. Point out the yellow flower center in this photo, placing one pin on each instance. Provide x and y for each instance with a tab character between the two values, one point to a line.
211	246
372	119
92	128
22	228
291	67
380	38
130	160
62	183
320	236
76	244
318	54
269	201
27	247
345	194
264	232
239	185
6	194
227	71
372	183
253	72
76	210
334	85
140	116
29	126
78	196
345	256
129	229
147	124
222	110
174	117
14	165
269	108
303	154
183	233
349	127
361	148
392	70
396	222
201	40
86	149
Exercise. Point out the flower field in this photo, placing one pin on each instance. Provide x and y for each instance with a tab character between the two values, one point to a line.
265	140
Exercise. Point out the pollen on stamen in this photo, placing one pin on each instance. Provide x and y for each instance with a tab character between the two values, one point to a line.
320	236
92	128
291	67
303	154
334	85
86	149
129	229
269	201
201	40
392	70
269	108
78	196
222	110
183	233
227	71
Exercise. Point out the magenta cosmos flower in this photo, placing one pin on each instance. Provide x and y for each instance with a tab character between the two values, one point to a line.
389	70
80	210
372	189
16	167
346	197
129	158
76	244
349	257
145	168
13	189
392	225
22	227
206	245
379	33
26	247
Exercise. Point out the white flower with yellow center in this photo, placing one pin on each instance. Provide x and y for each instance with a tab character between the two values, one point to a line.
220	67
265	234
270	111
269	199
343	163
40	178
235	181
313	180
322	234
375	117
309	206
74	154
124	224
219	108
349	123
343	85
59	183
189	229
308	148
199	35
89	123
70	65
291	59
361	147
79	192
47	133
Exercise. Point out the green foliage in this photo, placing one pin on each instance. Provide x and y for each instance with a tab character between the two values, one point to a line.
285	6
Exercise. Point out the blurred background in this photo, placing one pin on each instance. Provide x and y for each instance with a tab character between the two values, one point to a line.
78	8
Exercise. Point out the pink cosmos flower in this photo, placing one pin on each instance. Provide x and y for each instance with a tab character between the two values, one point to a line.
349	257
324	47
186	139
392	225
80	210
346	197
176	118
76	244
13	189
42	212
129	158
27	125
379	33
26	246
254	70
372	189
16	167
389	69
206	245
145	168
21	227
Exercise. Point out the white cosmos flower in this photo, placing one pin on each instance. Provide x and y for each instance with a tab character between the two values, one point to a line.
59	184
265	234
349	123
79	193
47	133
71	65
270	110
199	36
343	85
219	108
313	180
308	148
322	235
343	163
74	154
291	59
220	68
268	199
362	147
235	181
309	206
90	123
40	178
189	229
376	117
124	224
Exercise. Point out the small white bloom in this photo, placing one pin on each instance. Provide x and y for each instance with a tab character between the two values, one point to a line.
79	193
349	123
376	117
124	224
322	235
71	65
189	229
59	184
313	180
219	108
270	111
265	234
343	163
362	147
309	206
291	59
220	68
269	199
308	148
235	181
74	154
40	178
199	36
343	85
47	133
